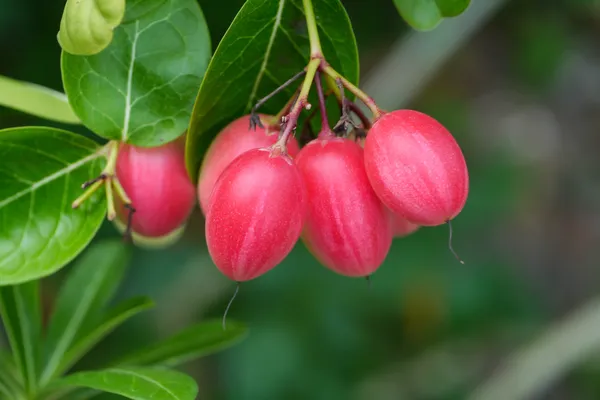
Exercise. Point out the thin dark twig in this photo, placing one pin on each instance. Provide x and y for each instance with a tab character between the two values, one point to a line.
254	119
89	183
358	112
322	105
127	236
450	243
237	289
342	125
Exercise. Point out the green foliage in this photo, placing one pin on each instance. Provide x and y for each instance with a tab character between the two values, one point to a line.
427	14
79	321
20	309
42	172
87	26
193	342
37	100
100	271
142	87
265	45
136	383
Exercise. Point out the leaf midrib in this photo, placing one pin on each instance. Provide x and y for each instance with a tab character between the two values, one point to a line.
48	179
145	378
263	66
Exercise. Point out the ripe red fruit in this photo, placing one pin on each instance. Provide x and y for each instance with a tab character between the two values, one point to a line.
255	213
235	139
401	227
347	227
416	167
156	181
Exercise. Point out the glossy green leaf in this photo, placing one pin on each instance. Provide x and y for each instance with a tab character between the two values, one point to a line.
427	14
141	88
191	343
87	26
265	45
20	309
539	364
41	174
136	383
111	320
81	300
36	100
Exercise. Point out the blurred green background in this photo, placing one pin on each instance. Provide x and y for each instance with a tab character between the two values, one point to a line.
518	83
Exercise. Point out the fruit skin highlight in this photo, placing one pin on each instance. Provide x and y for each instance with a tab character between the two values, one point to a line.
255	213
416	167
347	227
235	139
156	181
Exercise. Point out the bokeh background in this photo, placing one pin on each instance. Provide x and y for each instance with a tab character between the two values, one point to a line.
518	83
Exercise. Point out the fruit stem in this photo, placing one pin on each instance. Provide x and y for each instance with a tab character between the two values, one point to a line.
325	129
291	119
254	119
365	98
286	109
313	32
111	212
91	189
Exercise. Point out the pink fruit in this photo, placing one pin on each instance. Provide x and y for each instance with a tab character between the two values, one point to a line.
347	227
235	139
401	227
416	167
255	213
156	181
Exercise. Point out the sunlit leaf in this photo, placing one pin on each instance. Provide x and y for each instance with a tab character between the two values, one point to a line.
41	173
136	383
36	100
427	14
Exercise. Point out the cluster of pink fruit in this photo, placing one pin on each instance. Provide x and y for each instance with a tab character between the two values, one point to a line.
346	202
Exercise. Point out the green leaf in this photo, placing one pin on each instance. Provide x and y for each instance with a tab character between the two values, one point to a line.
41	173
425	15
9	375
136	383
141	88
81	300
111	320
265	45
20	309
539	364
36	100
87	26
191	343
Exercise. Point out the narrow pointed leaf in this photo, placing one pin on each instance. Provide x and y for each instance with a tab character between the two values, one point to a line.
265	45
191	343
136	383
88	288
87	26
111	320
425	15
20	309
41	173
141	88
36	100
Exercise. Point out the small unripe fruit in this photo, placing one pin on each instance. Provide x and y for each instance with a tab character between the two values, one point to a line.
157	183
401	227
347	227
255	213
416	167
235	139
